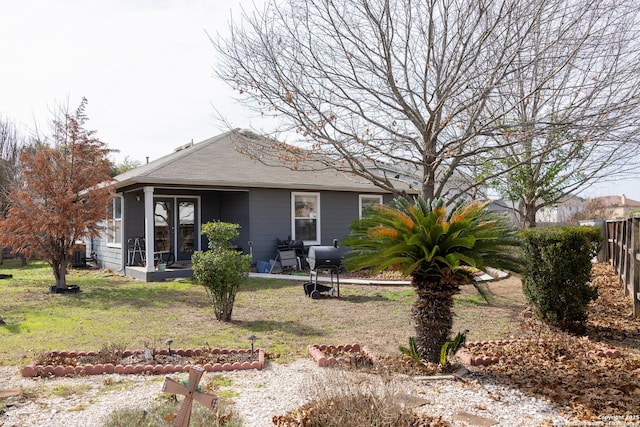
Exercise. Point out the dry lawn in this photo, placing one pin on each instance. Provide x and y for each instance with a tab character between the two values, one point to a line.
111	310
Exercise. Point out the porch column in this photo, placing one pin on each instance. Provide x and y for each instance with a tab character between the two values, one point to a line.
148	228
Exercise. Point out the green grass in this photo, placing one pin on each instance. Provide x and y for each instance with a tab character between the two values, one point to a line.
67	391
216	381
466	300
114	310
109	309
405	295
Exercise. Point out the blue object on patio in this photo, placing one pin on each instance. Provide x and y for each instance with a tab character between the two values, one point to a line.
263	267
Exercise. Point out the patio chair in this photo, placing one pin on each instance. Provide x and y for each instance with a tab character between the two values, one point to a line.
289	260
298	246
286	260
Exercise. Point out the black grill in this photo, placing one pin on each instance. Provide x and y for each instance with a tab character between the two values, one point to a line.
324	258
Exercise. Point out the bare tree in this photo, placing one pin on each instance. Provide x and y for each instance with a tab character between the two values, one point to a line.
593	209
574	118
11	143
383	88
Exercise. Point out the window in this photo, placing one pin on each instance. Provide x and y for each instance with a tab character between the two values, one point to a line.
367	201
114	231
305	212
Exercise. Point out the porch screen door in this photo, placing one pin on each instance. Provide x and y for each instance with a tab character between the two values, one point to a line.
163	225
186	234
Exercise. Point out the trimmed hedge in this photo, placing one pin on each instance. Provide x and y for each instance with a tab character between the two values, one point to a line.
557	273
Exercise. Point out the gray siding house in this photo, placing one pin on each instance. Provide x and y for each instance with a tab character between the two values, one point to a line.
159	207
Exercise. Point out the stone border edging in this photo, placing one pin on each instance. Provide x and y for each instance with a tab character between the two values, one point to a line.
316	351
471	360
149	369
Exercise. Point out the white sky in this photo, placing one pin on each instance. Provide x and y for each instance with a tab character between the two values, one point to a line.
145	67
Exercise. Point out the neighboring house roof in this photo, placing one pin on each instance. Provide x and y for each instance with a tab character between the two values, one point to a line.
218	162
570	199
499	205
617	201
611	207
411	174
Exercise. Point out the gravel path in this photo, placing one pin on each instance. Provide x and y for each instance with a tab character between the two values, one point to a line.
263	394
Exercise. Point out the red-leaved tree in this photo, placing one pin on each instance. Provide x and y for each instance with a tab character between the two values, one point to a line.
59	199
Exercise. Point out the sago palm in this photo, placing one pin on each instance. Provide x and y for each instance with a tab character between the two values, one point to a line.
439	249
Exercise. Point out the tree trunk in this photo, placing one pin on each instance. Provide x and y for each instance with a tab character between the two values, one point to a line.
428	173
432	315
429	189
529	215
222	302
60	271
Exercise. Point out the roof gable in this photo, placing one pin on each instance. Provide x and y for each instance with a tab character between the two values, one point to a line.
218	161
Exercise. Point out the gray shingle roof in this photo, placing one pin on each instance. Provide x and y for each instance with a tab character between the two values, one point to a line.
618	201
218	162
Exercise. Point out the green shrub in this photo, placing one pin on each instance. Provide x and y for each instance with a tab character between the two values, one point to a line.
557	273
220	234
221	269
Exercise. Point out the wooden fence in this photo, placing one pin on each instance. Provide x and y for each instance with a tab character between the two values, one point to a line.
622	250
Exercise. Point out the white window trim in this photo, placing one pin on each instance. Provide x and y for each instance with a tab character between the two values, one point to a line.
293	218
111	222
368	196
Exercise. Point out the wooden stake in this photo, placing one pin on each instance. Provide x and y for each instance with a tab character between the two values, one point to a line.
190	393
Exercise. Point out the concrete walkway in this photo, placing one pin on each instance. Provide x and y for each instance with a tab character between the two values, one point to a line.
492	274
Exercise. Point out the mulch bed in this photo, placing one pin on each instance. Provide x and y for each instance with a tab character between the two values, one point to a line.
560	350
110	360
596	375
611	317
362	359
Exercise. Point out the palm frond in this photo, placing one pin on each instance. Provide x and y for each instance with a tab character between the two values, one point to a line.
422	236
